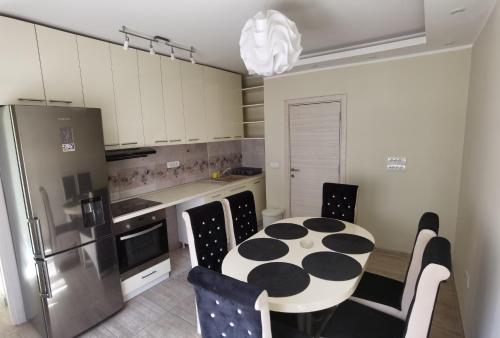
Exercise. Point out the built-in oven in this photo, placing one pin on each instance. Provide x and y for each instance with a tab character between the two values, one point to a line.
142	242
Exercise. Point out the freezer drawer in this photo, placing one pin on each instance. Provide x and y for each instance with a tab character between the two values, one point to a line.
80	287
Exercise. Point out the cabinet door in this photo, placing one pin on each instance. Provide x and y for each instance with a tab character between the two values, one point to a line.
127	97
235	102
153	116
213	104
172	100
21	77
60	67
258	189
97	81
194	106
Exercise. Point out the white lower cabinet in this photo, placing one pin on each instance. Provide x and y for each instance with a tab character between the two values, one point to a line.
21	75
127	97
146	279
256	186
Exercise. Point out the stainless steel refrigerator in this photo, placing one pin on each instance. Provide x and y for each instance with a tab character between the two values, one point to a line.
54	176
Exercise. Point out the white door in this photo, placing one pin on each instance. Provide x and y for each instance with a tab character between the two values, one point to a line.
127	96
97	81
21	76
314	154
60	67
172	100
153	116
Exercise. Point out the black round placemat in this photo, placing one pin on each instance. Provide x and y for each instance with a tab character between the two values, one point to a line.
322	224
279	279
286	231
348	243
263	249
331	266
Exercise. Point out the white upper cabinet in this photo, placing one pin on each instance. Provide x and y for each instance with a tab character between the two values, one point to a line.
172	100
153	116
21	77
60	67
97	81
234	105
127	96
213	104
193	102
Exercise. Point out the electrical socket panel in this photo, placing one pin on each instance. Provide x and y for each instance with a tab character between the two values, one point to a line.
395	163
173	164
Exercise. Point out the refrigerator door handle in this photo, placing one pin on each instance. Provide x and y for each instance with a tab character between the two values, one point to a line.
36	238
43	279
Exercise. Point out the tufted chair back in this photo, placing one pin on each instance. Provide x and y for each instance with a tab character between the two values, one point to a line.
228	307
435	268
339	201
241	217
206	230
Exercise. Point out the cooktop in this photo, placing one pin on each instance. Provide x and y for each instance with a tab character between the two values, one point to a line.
131	205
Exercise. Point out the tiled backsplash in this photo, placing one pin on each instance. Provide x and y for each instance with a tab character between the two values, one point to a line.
145	174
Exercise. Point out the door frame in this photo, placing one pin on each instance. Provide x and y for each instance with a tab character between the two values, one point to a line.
340	98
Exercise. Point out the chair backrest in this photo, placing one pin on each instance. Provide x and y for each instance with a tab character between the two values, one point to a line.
241	217
436	267
428	227
339	201
206	231
228	307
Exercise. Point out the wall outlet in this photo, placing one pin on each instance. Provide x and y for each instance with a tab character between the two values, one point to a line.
396	163
467	278
173	164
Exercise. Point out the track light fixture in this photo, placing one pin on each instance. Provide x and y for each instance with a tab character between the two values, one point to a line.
151	49
158	39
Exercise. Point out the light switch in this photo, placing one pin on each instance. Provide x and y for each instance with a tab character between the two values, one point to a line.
275	165
173	164
396	163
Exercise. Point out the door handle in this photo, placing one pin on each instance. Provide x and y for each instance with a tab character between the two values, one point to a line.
43	279
294	170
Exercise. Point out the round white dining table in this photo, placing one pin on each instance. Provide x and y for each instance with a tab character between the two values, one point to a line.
320	292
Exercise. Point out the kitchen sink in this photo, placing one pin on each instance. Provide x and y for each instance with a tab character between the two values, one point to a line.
227	179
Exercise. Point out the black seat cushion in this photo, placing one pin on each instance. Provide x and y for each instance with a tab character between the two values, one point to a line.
243	215
380	289
339	201
353	320
209	232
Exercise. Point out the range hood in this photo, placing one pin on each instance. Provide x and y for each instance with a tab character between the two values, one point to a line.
124	154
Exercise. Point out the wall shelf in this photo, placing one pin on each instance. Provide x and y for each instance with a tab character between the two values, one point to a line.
252	88
253	108
253	105
250	122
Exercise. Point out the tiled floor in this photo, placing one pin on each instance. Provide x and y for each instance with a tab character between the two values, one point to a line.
168	310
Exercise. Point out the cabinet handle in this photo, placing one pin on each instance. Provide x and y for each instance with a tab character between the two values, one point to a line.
161	141
60	101
128	143
28	99
149	274
193	139
177	140
112	145
227	137
217	138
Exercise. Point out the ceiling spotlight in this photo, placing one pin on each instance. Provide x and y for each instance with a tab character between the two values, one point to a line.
191	57
172	55
125	42
151	49
457	10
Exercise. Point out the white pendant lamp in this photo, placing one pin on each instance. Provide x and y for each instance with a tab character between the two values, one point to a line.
270	43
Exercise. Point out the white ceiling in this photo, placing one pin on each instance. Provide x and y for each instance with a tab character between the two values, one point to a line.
213	27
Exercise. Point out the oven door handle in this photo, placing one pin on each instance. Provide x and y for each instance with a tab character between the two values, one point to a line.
140	233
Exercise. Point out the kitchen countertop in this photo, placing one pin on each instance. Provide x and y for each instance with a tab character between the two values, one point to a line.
182	193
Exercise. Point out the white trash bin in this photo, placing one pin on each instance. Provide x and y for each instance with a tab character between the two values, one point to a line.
271	215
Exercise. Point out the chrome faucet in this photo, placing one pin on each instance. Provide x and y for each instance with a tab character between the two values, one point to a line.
223	172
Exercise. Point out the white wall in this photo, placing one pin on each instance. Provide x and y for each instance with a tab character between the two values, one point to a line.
414	107
477	246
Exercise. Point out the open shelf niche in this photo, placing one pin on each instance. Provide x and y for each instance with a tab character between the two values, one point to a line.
253	107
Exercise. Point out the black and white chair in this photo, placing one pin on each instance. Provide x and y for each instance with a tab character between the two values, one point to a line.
241	217
231	308
393	296
353	320
339	201
206	232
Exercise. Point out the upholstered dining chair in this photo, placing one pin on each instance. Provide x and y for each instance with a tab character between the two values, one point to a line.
353	320
231	308
241	217
393	296
206	232
339	201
